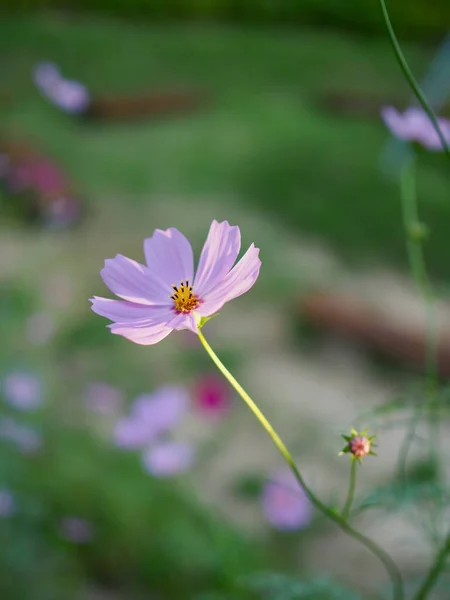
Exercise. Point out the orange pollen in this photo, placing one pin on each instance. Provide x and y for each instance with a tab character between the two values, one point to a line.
184	300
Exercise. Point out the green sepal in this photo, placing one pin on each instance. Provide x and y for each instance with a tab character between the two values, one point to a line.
204	320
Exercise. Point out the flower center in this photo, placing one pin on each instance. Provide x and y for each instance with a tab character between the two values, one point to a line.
184	301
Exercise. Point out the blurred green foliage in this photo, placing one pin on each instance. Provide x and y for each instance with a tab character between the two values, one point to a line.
273	586
411	18
266	143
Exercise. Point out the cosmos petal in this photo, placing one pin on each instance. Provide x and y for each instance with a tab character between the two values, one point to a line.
134	282
238	281
145	336
169	256
122	311
218	256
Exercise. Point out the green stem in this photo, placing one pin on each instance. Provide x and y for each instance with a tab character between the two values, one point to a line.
351	491
418	269
410	219
389	564
435	570
410	77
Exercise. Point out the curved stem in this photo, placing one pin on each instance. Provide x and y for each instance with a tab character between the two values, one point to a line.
419	273
351	491
435	571
410	77
389	564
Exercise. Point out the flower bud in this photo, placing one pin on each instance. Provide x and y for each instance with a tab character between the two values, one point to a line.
359	444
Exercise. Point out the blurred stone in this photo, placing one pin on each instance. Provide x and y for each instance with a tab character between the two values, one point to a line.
358	320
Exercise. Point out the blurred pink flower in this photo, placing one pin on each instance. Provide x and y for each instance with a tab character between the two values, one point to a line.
39	174
71	96
212	395
151	416
103	398
77	530
285	504
164	296
132	434
22	390
27	439
7	504
414	125
40	328
167	459
45	73
163	408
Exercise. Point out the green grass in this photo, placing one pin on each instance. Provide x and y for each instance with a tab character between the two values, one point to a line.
264	142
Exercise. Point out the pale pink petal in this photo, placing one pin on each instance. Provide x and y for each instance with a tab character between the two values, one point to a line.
238	281
428	137
168	459
169	257
162	410
184	321
285	504
45	74
396	122
414	125
134	282
129	312
143	335
130	433
218	256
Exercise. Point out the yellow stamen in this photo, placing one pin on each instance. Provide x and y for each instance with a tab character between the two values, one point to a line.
184	300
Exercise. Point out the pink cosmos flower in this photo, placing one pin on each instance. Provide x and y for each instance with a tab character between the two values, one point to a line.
167	459
212	395
285	504
164	295
151	415
22	390
45	74
71	96
414	125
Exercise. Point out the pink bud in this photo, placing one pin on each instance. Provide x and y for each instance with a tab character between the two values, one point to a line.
360	446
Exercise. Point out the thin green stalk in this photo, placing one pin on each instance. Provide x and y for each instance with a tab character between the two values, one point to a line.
382	555
419	273
435	570
351	491
410	77
414	246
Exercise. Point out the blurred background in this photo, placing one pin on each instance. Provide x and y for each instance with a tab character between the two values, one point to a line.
117	118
